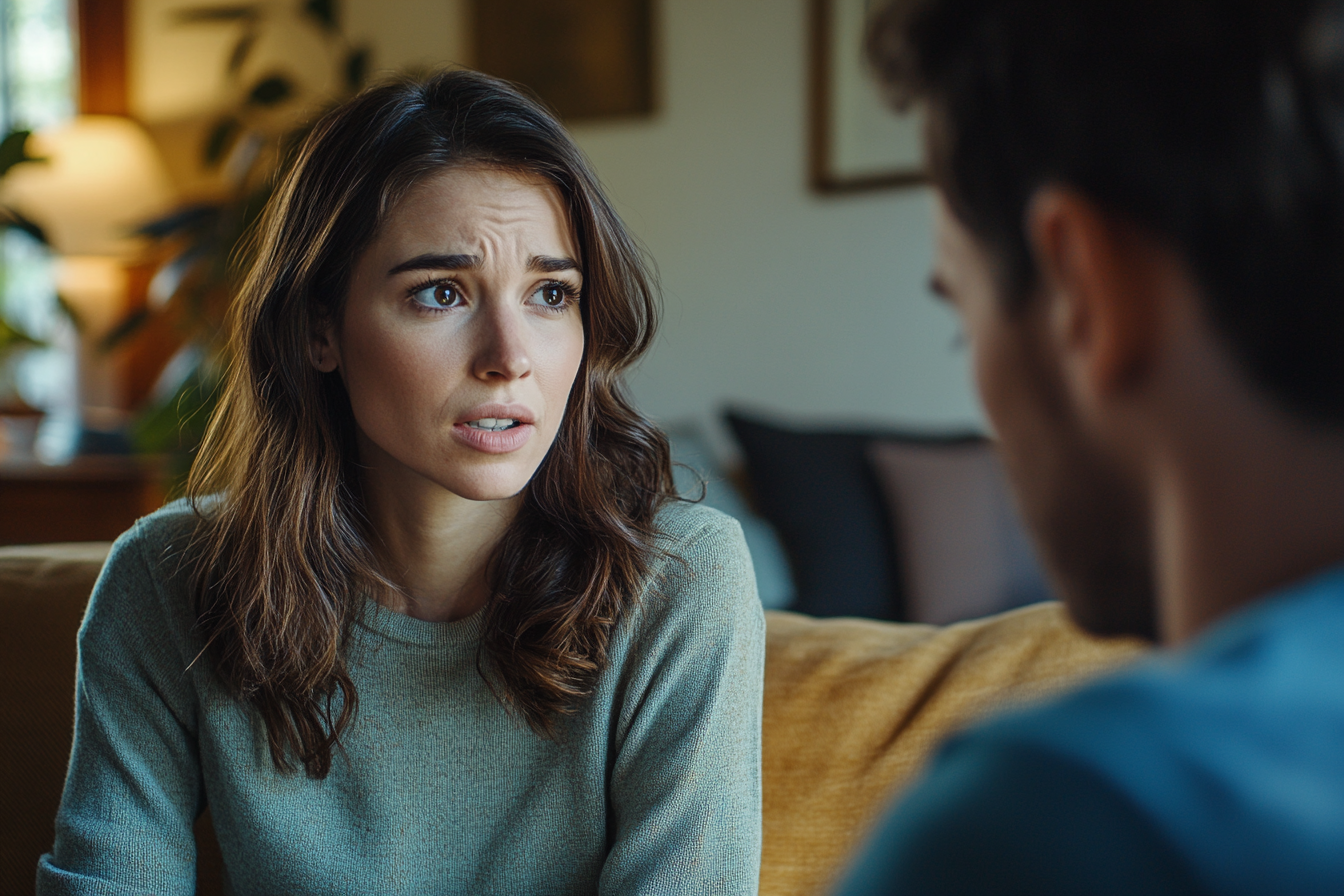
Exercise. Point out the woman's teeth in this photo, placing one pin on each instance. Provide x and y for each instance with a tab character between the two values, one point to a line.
493	424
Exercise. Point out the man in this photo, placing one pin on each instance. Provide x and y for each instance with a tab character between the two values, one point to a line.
1140	209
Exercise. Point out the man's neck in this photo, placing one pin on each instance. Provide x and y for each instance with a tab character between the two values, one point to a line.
1247	499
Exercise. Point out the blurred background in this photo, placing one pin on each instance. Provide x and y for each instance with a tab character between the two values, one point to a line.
801	368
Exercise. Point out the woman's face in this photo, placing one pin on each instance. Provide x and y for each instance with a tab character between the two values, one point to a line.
461	334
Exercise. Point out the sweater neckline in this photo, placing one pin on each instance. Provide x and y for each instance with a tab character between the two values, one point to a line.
419	633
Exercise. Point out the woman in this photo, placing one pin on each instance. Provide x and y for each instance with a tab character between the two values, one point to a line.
433	621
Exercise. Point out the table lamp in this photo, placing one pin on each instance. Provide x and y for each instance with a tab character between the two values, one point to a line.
102	177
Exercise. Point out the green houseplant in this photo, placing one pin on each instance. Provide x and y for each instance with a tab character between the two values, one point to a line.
13	338
202	245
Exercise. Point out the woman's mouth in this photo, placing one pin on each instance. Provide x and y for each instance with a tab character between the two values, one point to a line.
493	424
494	435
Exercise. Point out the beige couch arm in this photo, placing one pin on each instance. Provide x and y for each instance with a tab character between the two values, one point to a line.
43	591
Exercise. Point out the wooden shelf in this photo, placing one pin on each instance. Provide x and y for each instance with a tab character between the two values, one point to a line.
92	498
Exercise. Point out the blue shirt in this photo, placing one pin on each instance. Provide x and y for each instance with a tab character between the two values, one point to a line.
1215	768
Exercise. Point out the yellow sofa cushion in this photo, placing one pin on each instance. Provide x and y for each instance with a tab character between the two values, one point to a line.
853	707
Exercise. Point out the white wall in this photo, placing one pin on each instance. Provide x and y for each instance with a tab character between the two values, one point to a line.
806	305
409	33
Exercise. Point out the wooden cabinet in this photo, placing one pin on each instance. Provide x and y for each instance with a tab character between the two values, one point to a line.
92	498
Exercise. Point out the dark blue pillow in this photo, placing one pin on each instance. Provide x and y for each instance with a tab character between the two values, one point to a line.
817	488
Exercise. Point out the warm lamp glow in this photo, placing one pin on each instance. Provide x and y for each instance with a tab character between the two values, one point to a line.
100	179
103	178
95	288
93	285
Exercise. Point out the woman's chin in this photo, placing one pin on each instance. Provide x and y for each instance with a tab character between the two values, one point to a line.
486	495
494	485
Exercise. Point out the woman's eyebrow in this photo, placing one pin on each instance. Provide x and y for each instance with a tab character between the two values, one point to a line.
543	264
433	262
549	264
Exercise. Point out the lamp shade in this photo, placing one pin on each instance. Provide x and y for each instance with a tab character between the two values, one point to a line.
102	178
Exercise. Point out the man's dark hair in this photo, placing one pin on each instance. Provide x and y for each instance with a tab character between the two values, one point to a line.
1216	124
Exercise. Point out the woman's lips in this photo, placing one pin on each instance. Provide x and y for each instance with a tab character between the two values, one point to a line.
500	441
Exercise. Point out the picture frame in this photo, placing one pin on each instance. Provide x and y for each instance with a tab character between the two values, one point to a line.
607	47
858	142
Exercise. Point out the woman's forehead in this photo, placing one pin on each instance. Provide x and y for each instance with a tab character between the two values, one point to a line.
492	209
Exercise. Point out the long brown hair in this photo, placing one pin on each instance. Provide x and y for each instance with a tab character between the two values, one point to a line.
285	559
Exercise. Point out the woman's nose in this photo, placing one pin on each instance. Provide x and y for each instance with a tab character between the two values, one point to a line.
502	350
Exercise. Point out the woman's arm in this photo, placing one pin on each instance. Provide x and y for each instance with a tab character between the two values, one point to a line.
133	788
685	789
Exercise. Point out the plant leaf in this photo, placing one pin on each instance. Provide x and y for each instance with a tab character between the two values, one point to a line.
12	337
173	422
241	50
76	319
11	218
11	149
241	12
127	327
356	68
270	90
220	140
185	363
167	280
323	11
196	216
14	149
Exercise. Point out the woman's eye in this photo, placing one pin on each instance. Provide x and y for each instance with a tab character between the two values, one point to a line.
437	295
553	295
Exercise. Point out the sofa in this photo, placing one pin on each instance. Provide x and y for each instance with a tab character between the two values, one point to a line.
852	709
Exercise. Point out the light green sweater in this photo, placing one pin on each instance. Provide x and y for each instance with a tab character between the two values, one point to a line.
653	787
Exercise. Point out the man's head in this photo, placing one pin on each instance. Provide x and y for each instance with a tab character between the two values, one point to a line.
1117	153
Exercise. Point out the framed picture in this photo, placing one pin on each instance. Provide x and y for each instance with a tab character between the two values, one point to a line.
858	141
588	59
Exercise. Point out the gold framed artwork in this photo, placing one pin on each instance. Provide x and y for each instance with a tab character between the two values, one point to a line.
587	59
857	141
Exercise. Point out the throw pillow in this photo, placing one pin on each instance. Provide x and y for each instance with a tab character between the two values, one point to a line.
963	551
816	488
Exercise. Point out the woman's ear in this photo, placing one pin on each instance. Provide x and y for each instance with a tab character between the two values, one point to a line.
324	351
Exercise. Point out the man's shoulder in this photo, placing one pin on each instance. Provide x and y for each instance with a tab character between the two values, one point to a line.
994	816
1277	658
1229	746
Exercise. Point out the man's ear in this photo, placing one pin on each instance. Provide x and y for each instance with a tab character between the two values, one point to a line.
324	351
1104	279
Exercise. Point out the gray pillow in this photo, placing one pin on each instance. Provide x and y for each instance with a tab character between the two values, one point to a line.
963	551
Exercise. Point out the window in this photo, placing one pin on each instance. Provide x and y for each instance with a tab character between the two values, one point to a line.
36	63
36	90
